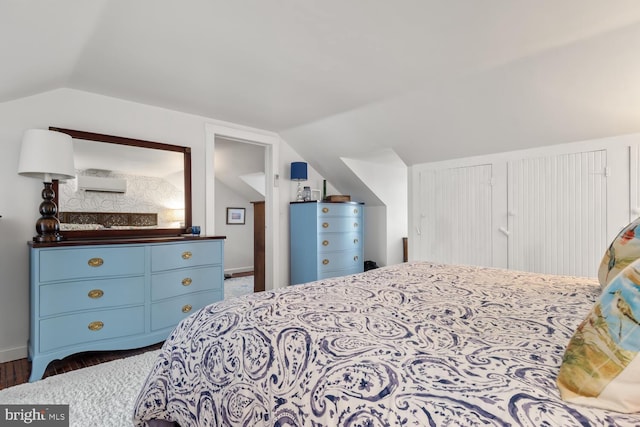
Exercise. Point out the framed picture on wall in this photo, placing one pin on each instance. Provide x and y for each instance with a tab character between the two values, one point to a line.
235	215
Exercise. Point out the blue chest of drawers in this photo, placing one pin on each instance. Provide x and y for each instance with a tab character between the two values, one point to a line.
113	296
325	240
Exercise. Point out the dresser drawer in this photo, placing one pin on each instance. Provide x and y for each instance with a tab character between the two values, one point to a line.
90	261
57	298
192	254
337	273
330	209
63	331
168	313
339	261
179	282
329	242
339	224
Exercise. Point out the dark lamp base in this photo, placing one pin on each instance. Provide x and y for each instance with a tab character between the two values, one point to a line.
47	226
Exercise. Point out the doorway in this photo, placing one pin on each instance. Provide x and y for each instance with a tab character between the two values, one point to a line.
270	142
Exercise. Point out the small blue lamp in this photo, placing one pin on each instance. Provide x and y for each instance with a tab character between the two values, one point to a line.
299	173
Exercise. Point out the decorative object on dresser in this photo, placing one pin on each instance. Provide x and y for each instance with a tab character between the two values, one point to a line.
299	173
325	240
47	155
117	294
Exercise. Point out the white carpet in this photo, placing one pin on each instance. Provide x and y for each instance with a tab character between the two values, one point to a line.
101	395
237	286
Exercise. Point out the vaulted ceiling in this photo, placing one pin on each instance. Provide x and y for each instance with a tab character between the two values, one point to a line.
429	79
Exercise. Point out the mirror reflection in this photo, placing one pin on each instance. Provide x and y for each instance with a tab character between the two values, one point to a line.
118	178
124	187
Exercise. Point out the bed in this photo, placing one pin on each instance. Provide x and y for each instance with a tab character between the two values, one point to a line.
80	221
415	344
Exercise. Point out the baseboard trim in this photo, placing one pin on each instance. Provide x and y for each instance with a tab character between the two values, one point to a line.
11	354
232	271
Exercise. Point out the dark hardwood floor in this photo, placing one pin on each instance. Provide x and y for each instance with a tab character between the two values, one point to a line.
18	371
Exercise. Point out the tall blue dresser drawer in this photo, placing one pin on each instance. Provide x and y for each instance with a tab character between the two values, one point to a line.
169	312
79	328
181	255
90	261
338	241
339	224
178	282
58	298
339	261
339	210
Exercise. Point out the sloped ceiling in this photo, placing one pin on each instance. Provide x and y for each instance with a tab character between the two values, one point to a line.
429	79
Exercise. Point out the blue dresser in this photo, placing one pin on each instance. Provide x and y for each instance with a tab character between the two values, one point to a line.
325	240
111	295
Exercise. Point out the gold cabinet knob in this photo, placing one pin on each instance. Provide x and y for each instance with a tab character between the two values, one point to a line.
325	243
186	255
95	293
355	211
186	281
95	326
186	308
355	258
325	225
325	210
95	262
325	261
355	225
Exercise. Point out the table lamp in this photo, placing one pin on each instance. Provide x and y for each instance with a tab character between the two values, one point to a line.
299	173
47	155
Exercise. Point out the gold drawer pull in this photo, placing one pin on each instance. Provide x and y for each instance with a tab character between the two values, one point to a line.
355	241
325	210
355	225
186	281
186	308
325	225
325	261
186	255
355	211
95	262
355	258
95	326
95	293
325	243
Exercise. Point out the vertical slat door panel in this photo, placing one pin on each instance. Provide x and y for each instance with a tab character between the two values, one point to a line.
455	224
557	213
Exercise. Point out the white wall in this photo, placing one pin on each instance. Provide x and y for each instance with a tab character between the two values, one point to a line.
20	196
386	175
238	247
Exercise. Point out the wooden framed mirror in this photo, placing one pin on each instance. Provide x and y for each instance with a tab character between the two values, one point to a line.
124	188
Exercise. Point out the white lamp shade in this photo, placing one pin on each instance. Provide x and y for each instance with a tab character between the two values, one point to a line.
47	155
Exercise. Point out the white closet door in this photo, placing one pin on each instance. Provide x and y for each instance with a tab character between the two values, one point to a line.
455	224
558	213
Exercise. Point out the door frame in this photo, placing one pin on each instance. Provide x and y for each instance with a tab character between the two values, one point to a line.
271	142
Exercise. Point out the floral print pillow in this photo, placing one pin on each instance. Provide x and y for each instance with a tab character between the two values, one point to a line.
600	366
624	249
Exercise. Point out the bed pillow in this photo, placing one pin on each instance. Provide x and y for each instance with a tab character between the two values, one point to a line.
601	367
624	249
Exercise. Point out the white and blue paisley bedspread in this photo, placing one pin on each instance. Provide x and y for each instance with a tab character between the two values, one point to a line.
408	345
